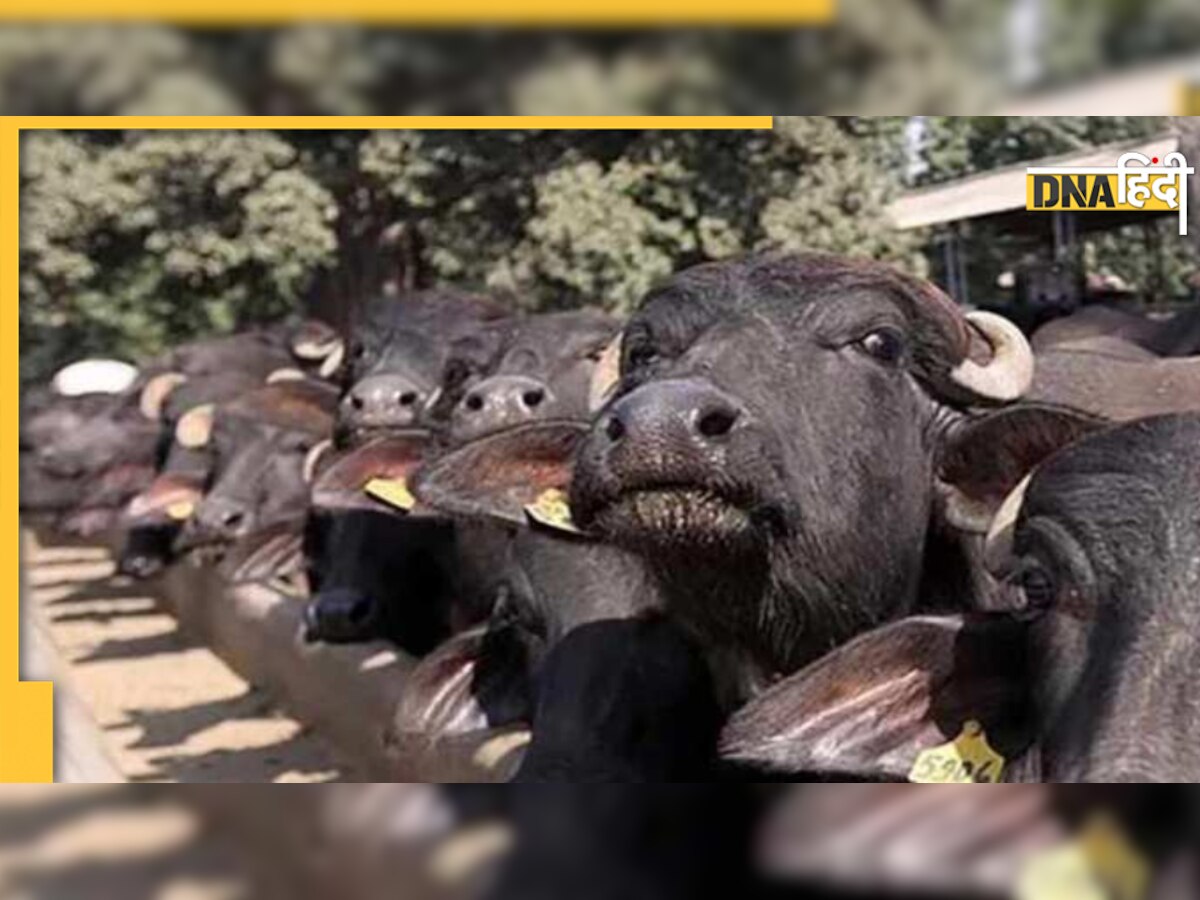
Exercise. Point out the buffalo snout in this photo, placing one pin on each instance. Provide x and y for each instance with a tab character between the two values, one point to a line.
223	518
383	401
499	403
340	616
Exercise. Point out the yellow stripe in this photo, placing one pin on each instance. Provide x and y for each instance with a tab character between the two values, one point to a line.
395	123
447	12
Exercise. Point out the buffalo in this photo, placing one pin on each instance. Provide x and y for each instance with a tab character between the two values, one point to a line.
1104	548
779	420
261	442
540	368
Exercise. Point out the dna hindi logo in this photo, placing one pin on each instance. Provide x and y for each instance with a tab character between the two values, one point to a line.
1137	183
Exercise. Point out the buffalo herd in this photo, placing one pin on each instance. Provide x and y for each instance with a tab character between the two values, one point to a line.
799	518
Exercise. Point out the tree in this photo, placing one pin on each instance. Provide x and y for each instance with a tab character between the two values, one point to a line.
131	243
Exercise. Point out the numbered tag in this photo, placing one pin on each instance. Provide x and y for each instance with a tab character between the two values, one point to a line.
552	510
392	491
969	759
1100	864
181	510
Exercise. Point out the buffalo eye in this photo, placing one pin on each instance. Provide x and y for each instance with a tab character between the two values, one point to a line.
885	345
1038	585
642	356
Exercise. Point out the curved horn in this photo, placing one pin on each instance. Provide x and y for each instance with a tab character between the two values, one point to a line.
333	360
313	459
281	375
194	429
1009	376
999	547
155	393
606	376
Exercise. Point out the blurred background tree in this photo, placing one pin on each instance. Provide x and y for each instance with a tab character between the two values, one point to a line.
133	241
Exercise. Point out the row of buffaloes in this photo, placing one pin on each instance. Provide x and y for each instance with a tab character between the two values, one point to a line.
798	518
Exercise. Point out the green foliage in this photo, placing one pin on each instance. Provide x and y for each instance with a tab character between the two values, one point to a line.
129	244
133	241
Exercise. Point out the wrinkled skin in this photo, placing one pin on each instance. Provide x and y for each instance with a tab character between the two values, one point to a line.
544	372
260	442
398	355
775	427
1087	679
259	483
1108	553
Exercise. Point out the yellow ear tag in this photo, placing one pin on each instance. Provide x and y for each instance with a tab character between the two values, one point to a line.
392	491
969	759
181	510
552	510
1100	864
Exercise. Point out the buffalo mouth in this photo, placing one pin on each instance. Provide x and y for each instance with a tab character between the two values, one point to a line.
679	516
350	437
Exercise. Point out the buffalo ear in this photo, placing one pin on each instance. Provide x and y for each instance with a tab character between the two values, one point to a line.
340	485
985	460
501	476
868	709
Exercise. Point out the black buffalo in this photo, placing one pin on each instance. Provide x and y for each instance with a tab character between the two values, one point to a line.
1088	679
775	452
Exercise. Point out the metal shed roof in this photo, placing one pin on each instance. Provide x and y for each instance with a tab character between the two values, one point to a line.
1003	190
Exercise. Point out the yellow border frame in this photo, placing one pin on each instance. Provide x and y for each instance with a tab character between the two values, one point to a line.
26	708
612	13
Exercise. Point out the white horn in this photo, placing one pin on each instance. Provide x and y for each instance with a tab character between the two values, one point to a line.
155	394
606	376
94	376
313	459
1009	376
194	429
333	361
999	547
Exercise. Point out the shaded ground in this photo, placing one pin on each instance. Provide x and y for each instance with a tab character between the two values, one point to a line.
69	842
163	710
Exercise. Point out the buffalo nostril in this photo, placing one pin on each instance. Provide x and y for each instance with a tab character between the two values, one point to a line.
615	429
533	398
474	402
357	402
408	398
717	423
233	519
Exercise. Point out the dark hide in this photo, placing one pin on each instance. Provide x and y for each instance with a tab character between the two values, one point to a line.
780	420
544	372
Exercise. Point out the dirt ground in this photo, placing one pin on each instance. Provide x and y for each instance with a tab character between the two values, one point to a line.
134	697
66	842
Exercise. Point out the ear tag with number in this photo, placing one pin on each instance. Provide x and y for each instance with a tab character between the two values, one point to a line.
392	491
552	510
1100	864
969	759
